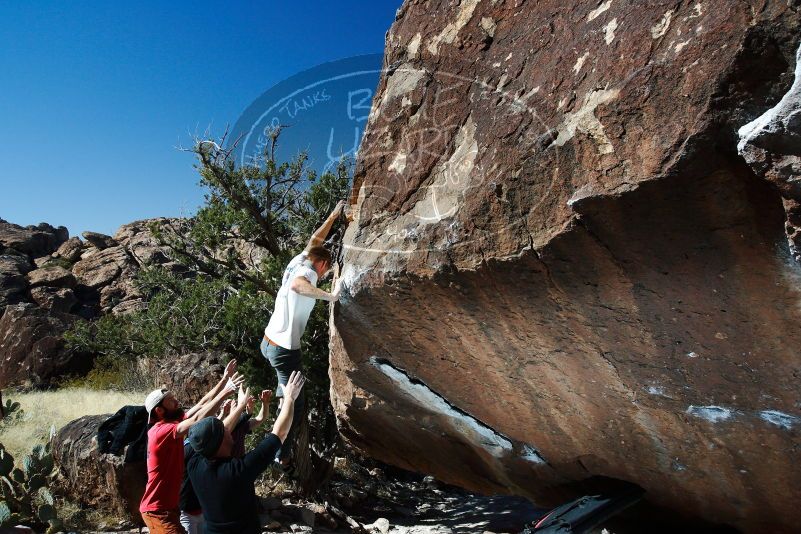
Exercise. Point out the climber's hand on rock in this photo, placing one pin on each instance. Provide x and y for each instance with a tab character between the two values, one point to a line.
336	291
338	208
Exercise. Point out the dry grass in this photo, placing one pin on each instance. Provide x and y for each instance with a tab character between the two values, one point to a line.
53	409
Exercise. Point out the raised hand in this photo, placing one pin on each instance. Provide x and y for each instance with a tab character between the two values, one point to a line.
243	395
230	369
294	385
234	382
265	396
225	409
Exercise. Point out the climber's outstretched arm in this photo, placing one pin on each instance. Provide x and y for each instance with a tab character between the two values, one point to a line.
319	236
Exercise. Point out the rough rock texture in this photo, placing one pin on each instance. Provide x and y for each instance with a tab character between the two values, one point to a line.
98	240
560	270
51	276
32	350
137	238
771	144
191	375
70	250
12	278
54	298
40	266
102	267
94	480
36	241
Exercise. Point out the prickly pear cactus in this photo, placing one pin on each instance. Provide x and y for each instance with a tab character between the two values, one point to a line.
24	495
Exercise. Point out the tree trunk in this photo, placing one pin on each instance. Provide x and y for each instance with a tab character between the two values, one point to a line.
317	439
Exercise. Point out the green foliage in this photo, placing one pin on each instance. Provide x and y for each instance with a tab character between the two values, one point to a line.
12	412
60	262
24	493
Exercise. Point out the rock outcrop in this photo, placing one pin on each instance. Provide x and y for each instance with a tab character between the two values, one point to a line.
94	480
560	271
13	268
51	276
57	281
32	350
35	241
98	240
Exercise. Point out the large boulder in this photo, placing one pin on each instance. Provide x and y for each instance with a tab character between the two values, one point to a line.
93	480
561	272
32	349
190	376
119	291
13	283
102	267
98	240
140	242
51	276
70	250
36	241
59	299
771	144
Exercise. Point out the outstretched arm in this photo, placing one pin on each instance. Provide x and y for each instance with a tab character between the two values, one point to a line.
265	402
257	460
291	392
230	371
232	418
319	236
302	286
209	407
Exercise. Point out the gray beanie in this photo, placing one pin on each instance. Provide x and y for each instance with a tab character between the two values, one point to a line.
206	436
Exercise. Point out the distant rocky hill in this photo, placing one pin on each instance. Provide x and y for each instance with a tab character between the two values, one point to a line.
48	280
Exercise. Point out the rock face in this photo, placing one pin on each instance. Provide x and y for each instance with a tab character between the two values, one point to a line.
12	278
771	144
560	271
54	298
94	480
36	241
101	267
51	277
32	350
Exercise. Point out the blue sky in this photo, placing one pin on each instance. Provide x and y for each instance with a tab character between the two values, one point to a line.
96	96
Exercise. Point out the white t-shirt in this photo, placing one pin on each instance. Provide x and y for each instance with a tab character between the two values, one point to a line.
292	310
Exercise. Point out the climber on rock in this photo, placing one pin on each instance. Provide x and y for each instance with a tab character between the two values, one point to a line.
293	306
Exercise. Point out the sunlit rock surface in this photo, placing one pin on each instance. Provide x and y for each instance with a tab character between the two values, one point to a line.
560	269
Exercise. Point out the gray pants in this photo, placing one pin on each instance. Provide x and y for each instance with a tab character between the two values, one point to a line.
284	361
